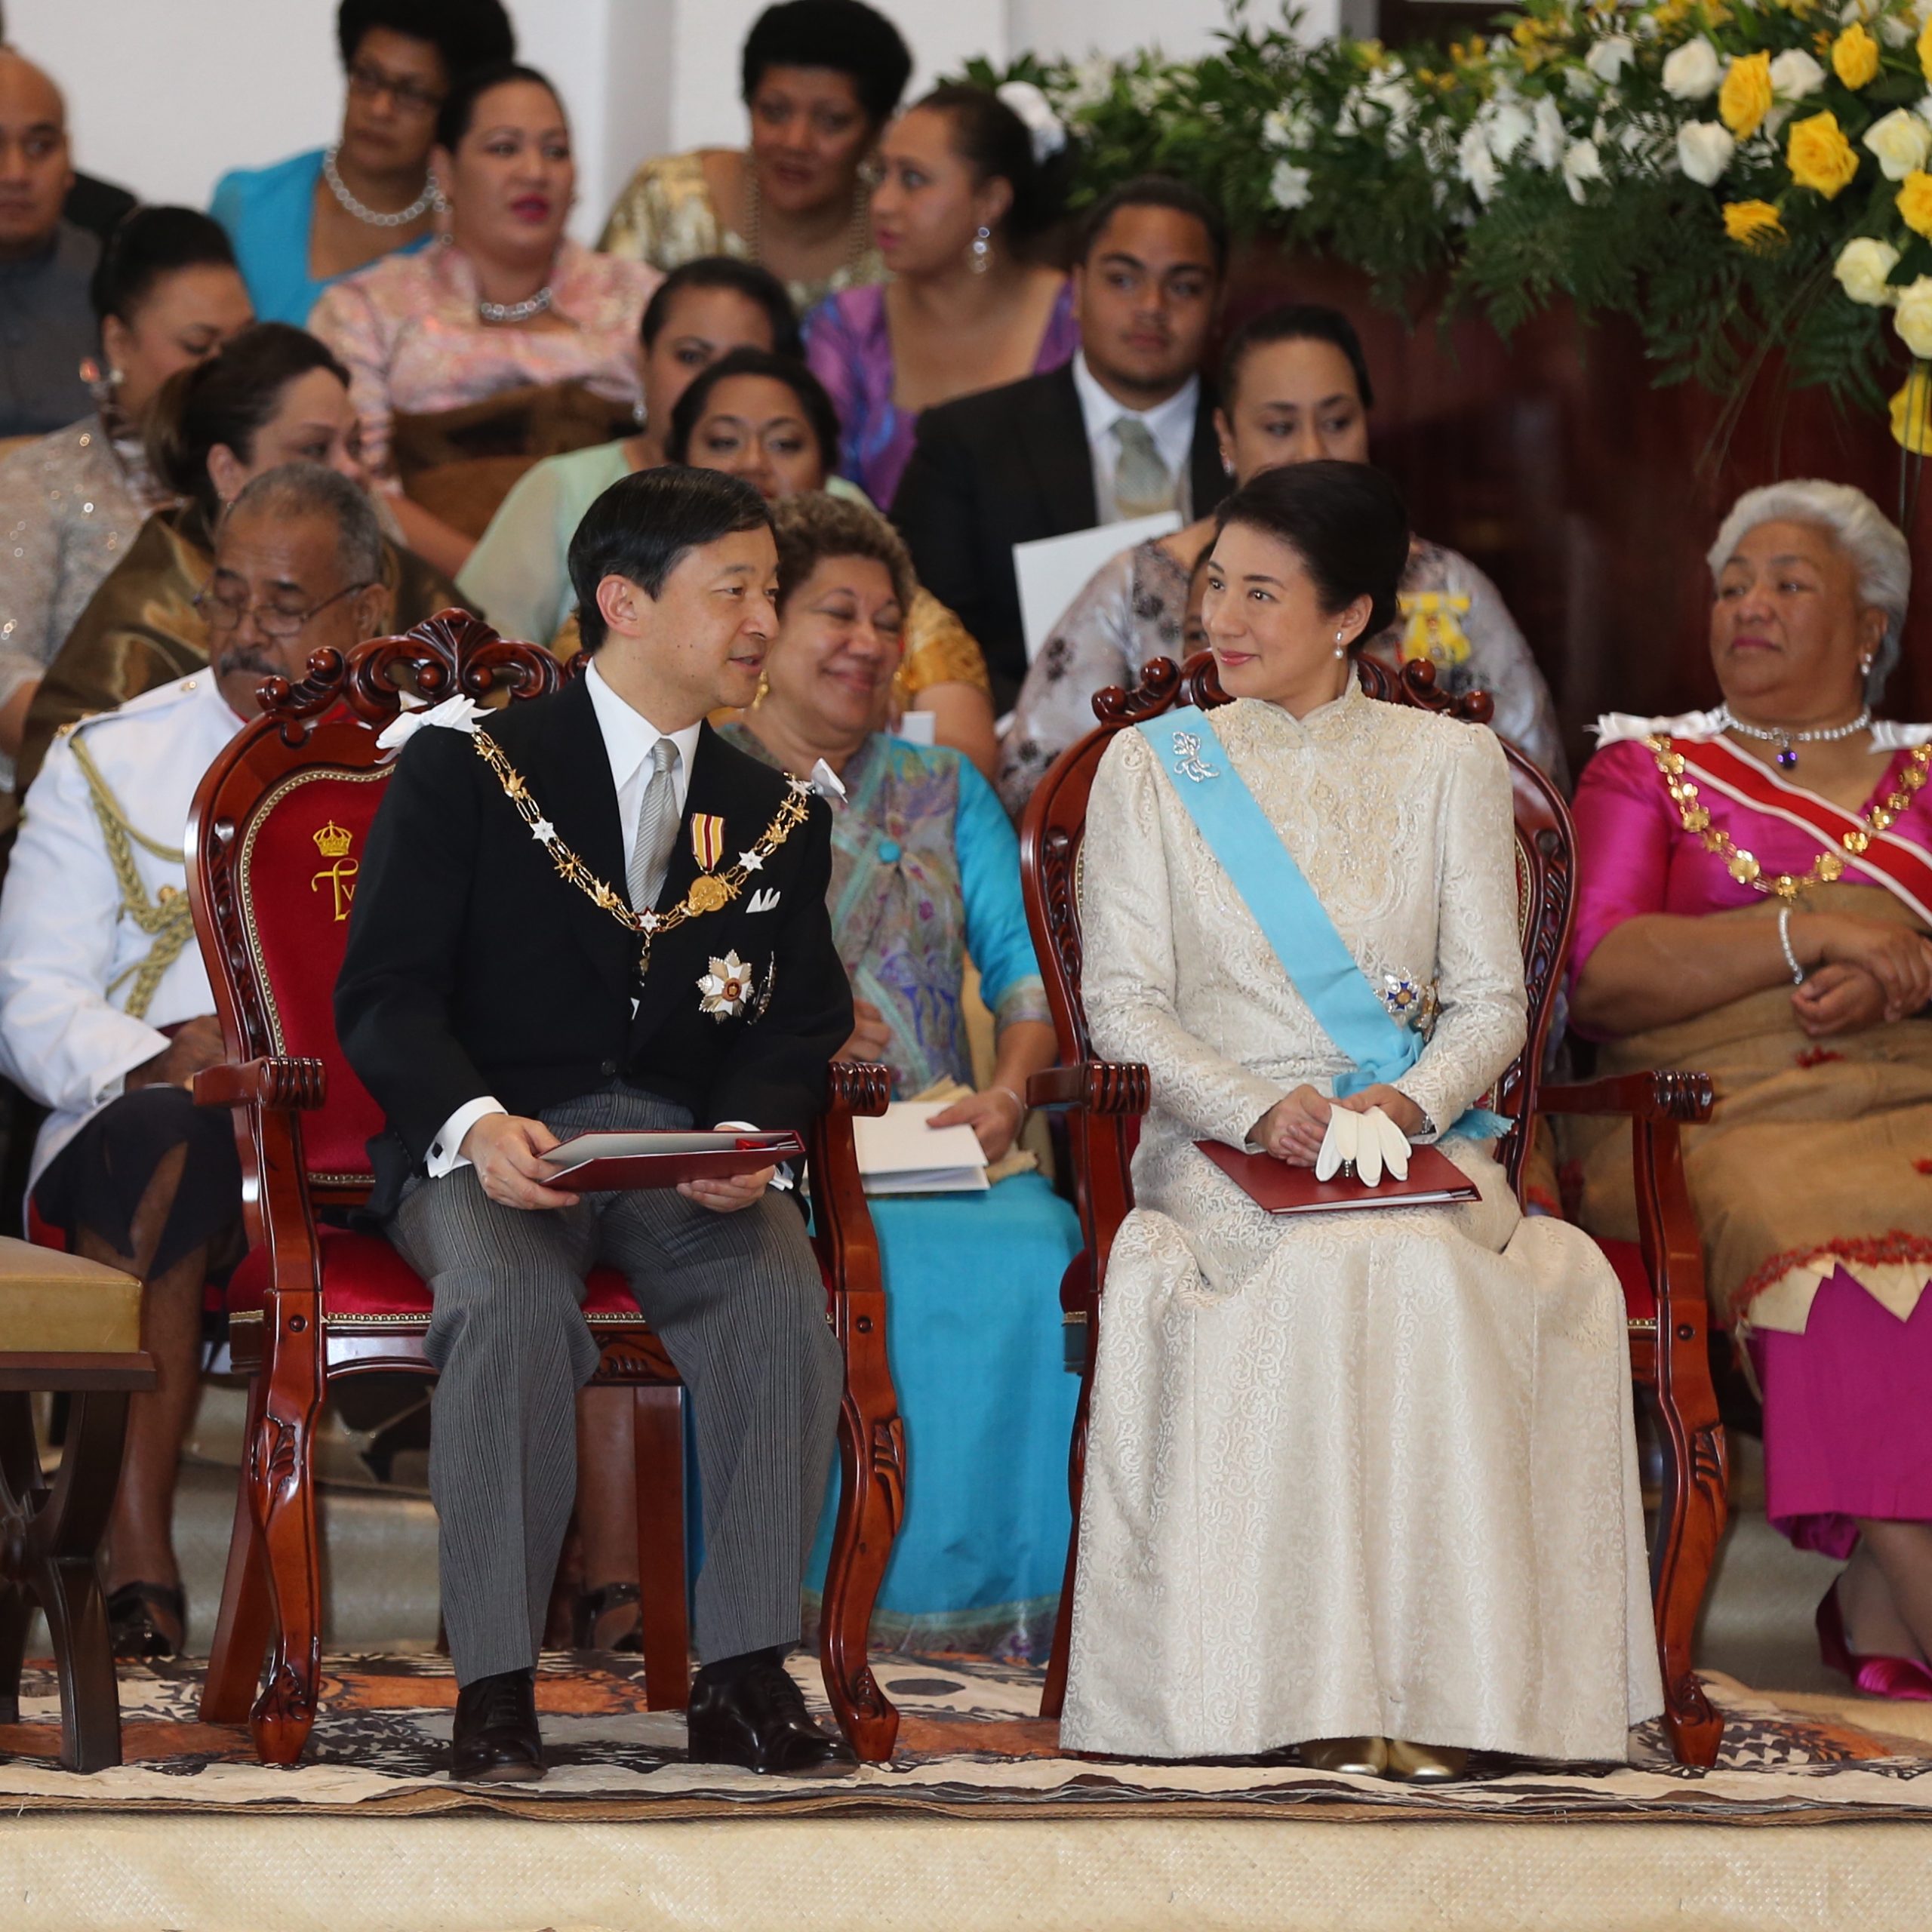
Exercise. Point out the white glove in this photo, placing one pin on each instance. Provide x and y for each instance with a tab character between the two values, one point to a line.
1339	1144
1394	1143
1371	1141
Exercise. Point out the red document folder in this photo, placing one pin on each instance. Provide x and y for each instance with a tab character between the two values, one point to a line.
1434	1181
590	1163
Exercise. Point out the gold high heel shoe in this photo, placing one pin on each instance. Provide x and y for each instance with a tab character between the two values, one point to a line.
1425	1764
1361	1757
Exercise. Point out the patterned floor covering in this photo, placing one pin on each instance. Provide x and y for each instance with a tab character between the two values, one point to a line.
970	1745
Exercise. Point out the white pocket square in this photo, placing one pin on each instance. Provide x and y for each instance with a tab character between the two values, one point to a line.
763	900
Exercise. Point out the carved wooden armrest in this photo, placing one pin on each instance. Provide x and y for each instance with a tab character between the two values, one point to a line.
279	1082
857	1087
1659	1097
1092	1086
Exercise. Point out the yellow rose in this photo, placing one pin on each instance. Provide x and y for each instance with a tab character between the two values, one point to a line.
1915	202
1819	156
1745	99
1752	224
1912	413
1854	56
1925	52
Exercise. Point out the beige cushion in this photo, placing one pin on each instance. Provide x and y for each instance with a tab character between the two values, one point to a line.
52	1303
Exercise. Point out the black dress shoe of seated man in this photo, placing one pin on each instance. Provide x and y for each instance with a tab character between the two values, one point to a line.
754	1716
496	1740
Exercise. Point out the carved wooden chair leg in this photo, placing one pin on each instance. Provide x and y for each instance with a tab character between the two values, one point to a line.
243	1626
871	1503
21	1493
61	1539
281	1478
1053	1694
659	1431
1691	1518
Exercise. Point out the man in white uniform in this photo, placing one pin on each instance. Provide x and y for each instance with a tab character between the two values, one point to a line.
105	1011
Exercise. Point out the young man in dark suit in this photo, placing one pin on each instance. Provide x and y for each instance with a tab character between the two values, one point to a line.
1123	430
587	912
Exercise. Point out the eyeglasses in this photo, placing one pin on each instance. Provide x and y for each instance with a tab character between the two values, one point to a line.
226	614
369	82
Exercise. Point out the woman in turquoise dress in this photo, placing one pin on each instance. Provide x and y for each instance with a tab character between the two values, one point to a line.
926	874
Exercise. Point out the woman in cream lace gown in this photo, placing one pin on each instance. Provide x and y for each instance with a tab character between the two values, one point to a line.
1352	1479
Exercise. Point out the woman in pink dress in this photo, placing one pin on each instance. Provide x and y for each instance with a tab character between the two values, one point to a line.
1756	899
964	185
506	302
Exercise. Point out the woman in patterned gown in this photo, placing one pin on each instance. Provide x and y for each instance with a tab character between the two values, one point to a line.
1362	1481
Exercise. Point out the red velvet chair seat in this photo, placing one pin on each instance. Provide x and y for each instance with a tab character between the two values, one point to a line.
1640	1298
364	1279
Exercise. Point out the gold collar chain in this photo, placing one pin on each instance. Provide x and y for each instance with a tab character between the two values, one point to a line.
708	892
1741	865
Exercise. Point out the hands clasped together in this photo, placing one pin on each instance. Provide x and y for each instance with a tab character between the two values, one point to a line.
1306	1129
1868	970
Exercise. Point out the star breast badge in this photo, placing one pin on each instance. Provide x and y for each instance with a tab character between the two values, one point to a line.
725	990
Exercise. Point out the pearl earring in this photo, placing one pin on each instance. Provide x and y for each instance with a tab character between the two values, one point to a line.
980	257
1341	649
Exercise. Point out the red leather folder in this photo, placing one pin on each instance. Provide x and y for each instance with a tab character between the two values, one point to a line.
592	1163
1434	1181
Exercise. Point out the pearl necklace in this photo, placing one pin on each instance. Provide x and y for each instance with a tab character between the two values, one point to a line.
1787	742
538	304
345	198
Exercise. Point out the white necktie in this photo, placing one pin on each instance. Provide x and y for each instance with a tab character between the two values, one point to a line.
657	828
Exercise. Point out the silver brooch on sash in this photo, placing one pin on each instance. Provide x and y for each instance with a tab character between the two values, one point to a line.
1411	1003
1188	761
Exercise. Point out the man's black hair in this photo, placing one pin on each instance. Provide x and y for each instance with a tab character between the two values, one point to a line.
642	526
1158	190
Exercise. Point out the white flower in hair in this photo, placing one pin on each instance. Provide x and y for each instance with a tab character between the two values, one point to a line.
1048	130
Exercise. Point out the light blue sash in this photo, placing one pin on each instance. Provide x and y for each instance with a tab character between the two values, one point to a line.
1293	920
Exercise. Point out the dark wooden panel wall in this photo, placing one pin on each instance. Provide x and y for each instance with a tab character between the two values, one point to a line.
1590	496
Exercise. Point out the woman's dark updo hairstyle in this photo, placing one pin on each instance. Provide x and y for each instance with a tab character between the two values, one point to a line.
1295	321
1347	523
845	35
459	107
226	400
813	403
146	244
755	283
992	140
466	33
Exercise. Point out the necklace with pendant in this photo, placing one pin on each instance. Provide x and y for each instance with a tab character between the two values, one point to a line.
1788	742
346	201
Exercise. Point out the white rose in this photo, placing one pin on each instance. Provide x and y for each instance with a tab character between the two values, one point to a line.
1913	316
1795	74
1581	163
1548	143
1693	70
1923	110
1902	141
1862	268
1045	129
1476	164
1509	127
1288	128
1287	186
1704	149
1896	32
1609	57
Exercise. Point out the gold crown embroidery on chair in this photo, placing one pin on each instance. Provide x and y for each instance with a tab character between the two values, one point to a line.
333	840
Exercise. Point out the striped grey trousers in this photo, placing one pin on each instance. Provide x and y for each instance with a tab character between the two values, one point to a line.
738	1304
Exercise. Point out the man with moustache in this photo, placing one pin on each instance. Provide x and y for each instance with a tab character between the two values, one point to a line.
588	913
105	1011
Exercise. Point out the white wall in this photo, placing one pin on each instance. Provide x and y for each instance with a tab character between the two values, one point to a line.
163	97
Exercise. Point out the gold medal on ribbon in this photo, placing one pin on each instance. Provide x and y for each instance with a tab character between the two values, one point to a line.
708	892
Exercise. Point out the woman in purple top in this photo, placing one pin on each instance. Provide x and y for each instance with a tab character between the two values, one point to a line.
964	183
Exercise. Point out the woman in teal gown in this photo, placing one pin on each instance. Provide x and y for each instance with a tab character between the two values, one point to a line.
926	875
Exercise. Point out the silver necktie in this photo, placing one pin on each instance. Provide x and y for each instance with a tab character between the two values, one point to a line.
1144	485
657	828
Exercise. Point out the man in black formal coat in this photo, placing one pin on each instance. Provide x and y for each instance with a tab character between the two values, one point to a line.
587	912
1123	430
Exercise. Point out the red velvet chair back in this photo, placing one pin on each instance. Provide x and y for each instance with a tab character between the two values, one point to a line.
1055	826
280	824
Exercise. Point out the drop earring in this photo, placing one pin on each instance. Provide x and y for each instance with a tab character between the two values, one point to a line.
980	255
1341	649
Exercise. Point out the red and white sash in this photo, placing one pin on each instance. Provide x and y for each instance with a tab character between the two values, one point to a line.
1902	868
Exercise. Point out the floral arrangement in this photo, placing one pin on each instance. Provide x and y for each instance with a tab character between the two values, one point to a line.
1741	177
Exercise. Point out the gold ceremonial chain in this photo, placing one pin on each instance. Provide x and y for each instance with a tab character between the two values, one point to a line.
1746	870
708	892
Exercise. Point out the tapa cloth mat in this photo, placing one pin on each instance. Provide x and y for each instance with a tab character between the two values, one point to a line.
970	1745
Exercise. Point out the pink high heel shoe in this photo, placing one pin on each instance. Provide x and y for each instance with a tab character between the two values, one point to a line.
1900	1679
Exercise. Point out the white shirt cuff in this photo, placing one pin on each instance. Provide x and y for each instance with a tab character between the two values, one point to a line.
443	1157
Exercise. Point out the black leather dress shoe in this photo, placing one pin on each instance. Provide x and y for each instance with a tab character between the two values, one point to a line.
496	1740
758	1720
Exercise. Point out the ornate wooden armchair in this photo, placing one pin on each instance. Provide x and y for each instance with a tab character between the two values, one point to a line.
1103	1101
277	825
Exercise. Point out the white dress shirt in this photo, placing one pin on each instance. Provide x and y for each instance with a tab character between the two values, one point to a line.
629	737
1170	424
